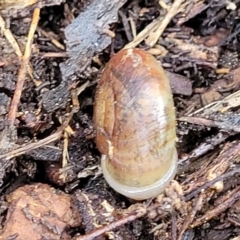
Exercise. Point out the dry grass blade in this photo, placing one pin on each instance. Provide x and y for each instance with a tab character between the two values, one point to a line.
156	28
24	67
154	36
233	100
52	39
8	34
30	146
143	34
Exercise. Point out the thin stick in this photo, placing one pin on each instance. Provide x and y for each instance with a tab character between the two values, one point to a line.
197	206
192	194
55	55
233	196
143	34
126	219
31	146
154	30
8	34
23	69
52	39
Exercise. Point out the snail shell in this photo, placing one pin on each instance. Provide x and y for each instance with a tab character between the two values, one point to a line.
134	118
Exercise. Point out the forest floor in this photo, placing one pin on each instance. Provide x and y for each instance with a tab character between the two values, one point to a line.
52	54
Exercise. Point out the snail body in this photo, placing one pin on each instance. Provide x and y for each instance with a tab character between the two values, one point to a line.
134	118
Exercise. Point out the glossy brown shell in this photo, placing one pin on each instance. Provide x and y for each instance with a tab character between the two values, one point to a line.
135	119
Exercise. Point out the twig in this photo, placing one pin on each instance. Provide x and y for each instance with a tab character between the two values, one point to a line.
126	219
52	39
210	123
55	55
65	155
23	69
174	225
156	27
31	146
35	145
133	27
8	34
231	101
232	197
214	168
206	146
143	34
126	25
210	183
197	206
68	130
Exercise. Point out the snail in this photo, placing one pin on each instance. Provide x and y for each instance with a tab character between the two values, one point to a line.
134	118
